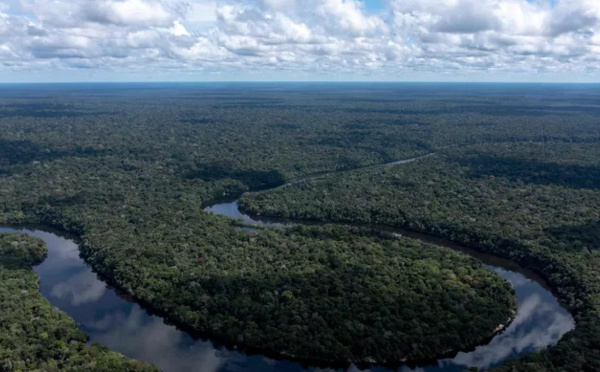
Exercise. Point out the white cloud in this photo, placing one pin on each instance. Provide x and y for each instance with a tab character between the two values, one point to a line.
280	5
126	13
132	12
202	12
349	15
324	37
179	30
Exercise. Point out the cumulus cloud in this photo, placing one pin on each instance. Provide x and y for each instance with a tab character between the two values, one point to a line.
128	13
132	13
467	17
349	15
327	37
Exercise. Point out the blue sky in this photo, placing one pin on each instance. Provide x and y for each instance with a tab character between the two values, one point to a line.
374	6
265	40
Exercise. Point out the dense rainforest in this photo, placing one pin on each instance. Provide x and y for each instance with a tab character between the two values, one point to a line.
129	169
35	336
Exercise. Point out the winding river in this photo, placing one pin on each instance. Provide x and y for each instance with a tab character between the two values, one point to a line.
116	321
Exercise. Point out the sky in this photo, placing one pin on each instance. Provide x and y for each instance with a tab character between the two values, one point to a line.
299	40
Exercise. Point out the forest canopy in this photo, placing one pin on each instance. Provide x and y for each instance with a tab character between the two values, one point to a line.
130	169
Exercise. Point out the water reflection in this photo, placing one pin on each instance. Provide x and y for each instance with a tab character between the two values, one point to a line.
540	322
137	335
79	289
232	210
110	320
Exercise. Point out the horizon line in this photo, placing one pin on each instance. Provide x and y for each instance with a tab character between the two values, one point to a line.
299	82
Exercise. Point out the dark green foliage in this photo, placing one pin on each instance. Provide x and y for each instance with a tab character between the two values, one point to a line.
254	179
326	293
526	170
21	251
34	335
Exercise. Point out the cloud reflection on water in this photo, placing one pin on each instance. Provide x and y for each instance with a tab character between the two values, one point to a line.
520	336
80	288
137	335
